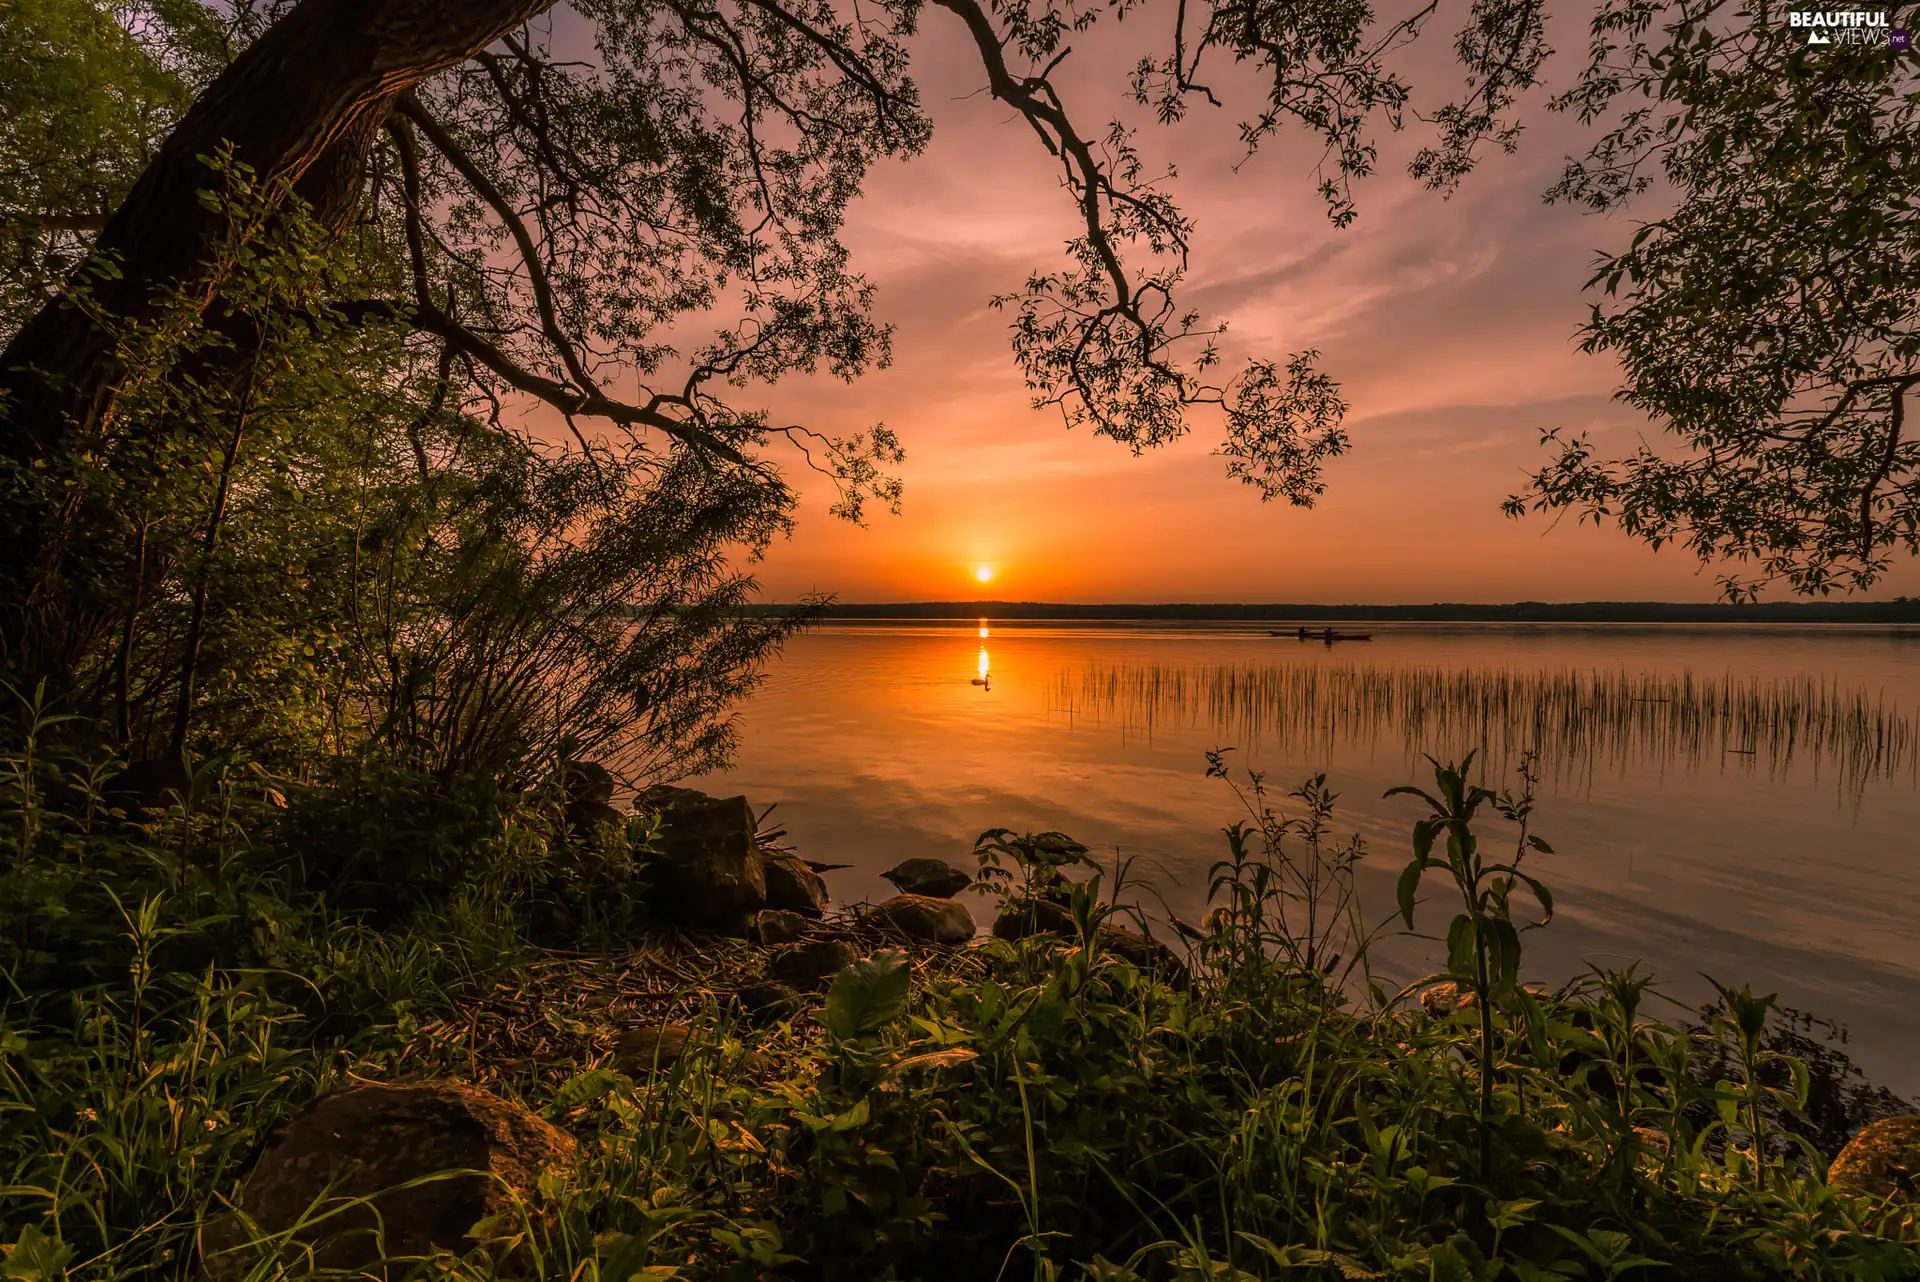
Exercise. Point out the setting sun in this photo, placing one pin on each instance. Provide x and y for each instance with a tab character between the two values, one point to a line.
984	573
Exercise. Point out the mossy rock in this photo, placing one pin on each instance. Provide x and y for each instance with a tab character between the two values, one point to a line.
350	1181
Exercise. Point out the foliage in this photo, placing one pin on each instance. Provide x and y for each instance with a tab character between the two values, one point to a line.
91	90
313	568
1483	944
1762	320
1042	1109
1040	860
1318	923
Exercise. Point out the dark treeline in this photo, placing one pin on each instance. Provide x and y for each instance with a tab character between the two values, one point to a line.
1898	610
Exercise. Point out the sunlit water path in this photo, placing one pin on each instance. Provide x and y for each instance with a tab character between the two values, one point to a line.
1739	801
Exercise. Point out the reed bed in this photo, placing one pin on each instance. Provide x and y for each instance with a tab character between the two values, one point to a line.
1580	721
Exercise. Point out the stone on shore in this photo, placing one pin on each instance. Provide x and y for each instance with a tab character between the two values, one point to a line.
650	1048
1883	1160
1021	918
773	926
587	781
794	887
812	965
766	1003
934	877
1025	918
708	872
1143	951
927	920
364	1142
662	797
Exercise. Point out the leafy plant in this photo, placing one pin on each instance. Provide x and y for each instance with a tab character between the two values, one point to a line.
1483	943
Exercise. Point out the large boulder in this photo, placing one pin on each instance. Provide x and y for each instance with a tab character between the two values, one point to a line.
587	781
585	816
935	877
588	788
708	872
926	920
1883	1160
365	1143
793	886
662	797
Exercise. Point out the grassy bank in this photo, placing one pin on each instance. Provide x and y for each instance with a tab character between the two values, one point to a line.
179	984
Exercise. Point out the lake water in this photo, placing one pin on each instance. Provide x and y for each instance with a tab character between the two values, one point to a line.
1740	801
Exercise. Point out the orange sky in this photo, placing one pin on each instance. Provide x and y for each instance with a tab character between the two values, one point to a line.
1450	324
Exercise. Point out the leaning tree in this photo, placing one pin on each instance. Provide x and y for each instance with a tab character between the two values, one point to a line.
539	202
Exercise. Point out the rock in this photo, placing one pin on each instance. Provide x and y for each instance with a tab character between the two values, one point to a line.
774	926
362	1143
793	886
926	919
550	920
650	1049
812	965
588	815
935	877
1883	1160
1022	918
1442	1000
664	796
1143	951
587	781
766	1003
708	872
1043	917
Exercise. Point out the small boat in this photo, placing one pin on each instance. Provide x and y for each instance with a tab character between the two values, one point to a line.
1326	634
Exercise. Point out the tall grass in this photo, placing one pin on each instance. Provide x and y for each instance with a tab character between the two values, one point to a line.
1580	721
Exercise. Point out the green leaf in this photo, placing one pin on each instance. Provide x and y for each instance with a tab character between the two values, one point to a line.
1409	884
1460	948
868	995
587	1087
852	1117
34	1257
934	1059
1540	893
1503	953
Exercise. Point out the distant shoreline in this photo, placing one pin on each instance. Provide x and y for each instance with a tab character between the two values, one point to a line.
1899	610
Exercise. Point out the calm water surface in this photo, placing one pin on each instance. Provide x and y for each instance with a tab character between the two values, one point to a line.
1739	801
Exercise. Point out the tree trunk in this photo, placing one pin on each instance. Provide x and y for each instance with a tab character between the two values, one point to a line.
303	104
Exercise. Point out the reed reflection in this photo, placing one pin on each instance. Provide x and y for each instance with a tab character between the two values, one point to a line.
1580	721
